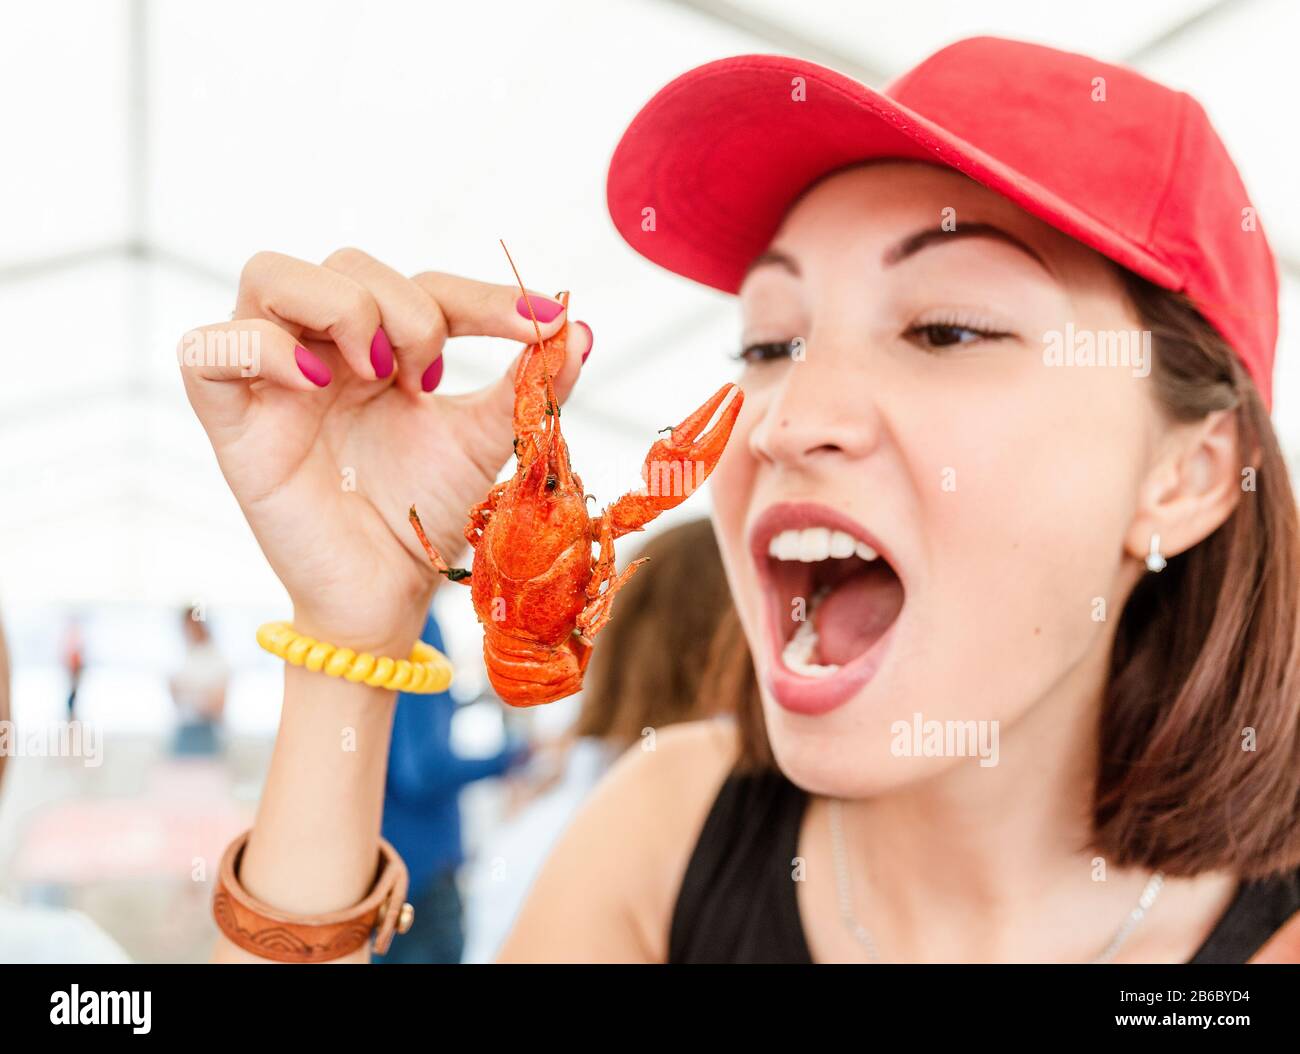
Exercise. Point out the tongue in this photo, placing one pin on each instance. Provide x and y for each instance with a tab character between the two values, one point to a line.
855	615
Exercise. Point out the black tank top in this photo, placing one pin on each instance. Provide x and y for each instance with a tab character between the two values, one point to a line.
737	903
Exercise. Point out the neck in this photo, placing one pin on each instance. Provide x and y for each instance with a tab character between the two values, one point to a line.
991	858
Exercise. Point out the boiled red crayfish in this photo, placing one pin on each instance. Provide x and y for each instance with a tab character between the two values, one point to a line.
537	589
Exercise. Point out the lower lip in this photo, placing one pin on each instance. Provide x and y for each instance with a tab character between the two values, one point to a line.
813	696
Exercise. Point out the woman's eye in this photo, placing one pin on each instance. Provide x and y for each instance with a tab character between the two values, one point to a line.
944	335
766	351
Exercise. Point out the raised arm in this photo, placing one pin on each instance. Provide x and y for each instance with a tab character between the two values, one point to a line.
318	398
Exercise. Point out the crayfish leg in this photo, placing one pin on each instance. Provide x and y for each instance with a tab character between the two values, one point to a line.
482	512
595	615
454	574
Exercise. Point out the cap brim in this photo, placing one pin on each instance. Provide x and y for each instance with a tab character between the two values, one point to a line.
704	174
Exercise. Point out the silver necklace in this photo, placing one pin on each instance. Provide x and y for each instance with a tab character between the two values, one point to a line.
863	936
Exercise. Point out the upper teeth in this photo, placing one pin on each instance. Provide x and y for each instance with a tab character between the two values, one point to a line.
811	544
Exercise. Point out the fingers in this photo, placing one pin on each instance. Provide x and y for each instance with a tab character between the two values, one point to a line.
418	314
315	302
412	329
578	344
384	323
483	309
219	362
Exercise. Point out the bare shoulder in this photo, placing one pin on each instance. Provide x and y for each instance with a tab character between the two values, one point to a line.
668	784
608	889
678	761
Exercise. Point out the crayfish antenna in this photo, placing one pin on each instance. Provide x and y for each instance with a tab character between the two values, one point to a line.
536	328
553	404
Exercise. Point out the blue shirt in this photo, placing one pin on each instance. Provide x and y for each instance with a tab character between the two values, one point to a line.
422	794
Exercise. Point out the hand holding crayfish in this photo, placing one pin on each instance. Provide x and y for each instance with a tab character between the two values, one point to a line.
330	431
538	590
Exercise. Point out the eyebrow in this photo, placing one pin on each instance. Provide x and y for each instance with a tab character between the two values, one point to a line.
909	246
774	258
923	239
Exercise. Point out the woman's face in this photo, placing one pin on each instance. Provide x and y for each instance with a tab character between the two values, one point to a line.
920	420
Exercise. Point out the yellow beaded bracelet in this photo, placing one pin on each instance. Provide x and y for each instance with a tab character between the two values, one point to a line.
427	671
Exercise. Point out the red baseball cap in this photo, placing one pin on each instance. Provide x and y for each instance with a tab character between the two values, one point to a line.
1124	165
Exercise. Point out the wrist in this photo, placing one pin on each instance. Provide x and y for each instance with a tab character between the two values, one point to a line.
422	671
314	693
393	640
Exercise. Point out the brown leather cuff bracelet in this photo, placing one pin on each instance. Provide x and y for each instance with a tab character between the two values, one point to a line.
272	934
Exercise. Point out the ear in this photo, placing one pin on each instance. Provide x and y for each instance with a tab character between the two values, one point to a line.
1191	489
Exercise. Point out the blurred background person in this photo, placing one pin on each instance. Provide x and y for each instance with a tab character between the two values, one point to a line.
31	934
422	816
645	675
199	690
74	661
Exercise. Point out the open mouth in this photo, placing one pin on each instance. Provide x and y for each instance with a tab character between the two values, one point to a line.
833	597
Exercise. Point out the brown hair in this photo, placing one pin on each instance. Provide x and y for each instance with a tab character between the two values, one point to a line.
1199	763
646	672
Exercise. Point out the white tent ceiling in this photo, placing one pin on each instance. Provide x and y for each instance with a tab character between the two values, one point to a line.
151	147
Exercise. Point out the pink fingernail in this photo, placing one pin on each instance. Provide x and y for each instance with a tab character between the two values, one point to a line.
591	341
432	376
381	354
312	368
545	310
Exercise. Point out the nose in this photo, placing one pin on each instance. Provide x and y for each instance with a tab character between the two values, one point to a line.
820	409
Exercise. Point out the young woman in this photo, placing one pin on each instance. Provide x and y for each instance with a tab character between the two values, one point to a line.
1023	614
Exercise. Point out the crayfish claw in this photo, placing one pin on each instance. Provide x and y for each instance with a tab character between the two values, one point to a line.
677	466
685	439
